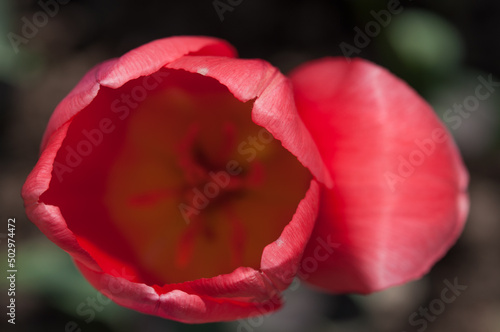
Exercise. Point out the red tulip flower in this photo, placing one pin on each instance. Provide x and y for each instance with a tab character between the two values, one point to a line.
192	185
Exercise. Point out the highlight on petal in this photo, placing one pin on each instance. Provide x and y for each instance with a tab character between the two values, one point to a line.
399	200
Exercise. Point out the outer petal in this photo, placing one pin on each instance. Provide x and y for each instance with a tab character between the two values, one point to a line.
141	61
281	259
243	293
399	200
181	303
49	218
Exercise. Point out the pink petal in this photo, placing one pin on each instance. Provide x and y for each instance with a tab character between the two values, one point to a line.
199	301
274	108
141	61
391	225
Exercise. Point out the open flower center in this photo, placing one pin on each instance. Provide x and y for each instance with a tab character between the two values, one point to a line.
201	170
187	186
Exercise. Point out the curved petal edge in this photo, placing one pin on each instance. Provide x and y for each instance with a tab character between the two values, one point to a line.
399	200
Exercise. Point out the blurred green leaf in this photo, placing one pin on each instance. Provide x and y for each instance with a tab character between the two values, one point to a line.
425	41
15	66
46	269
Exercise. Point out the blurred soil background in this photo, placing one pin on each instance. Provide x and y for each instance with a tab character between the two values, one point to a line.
438	47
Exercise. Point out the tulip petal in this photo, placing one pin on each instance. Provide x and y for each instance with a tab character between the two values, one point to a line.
280	259
274	108
141	61
243	293
49	218
399	200
223	298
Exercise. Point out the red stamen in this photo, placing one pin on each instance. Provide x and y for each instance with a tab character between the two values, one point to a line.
194	172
